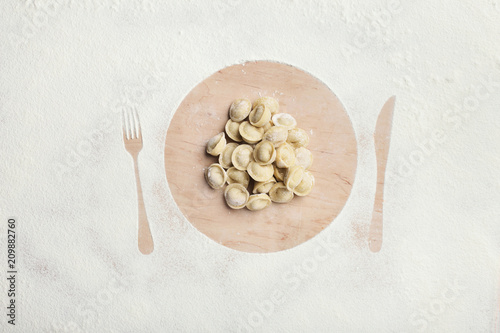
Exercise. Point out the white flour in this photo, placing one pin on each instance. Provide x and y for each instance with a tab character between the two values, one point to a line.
67	68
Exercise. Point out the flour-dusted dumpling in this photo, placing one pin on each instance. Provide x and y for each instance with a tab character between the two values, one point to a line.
216	176
271	103
242	156
236	196
280	194
237	176
240	109
216	144
250	133
306	185
260	116
264	153
260	173
285	156
263	187
293	177
227	153
276	134
303	157
279	173
233	130
297	137
258	201
285	120
267	126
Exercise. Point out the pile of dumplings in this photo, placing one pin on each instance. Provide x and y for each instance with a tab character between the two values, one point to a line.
268	155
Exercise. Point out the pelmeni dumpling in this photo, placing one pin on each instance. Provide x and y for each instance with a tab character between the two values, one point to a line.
242	156
216	144
271	103
263	187
285	120
280	194
267	126
285	156
233	130
258	201
215	176
260	173
236	196
264	153
303	157
297	137
227	153
240	109
250	133
293	177
237	176
306	185
279	173
260	116
276	134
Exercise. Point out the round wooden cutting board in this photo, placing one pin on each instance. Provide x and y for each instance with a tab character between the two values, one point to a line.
204	112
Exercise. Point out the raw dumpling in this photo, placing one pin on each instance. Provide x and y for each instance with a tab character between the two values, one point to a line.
263	187
293	177
215	176
279	173
280	194
267	126
271	103
285	156
242	156
237	176
236	196
260	116
260	173
297	137
264	153
285	120
233	130
276	134
306	185
303	157
240	109
250	133
258	201
227	153
216	144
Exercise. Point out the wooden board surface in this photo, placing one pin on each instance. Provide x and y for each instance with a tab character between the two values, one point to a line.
204	112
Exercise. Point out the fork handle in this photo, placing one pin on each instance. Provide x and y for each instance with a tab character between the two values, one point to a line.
145	239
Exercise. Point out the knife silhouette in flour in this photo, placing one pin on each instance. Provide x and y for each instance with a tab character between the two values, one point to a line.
382	142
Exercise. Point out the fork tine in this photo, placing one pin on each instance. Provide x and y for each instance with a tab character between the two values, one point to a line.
124	125
137	123
131	123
